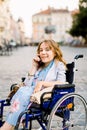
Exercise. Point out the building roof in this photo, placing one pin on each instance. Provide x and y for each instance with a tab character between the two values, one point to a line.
76	11
50	10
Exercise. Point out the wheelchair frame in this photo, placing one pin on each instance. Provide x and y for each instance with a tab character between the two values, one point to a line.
61	103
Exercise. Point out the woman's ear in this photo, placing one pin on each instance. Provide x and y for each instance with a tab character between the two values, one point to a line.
55	55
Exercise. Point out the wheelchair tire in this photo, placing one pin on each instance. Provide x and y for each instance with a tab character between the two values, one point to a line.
71	117
21	127
21	123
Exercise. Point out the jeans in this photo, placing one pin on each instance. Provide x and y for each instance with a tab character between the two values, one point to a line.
19	103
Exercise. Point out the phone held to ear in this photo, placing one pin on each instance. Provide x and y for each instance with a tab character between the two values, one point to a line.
40	62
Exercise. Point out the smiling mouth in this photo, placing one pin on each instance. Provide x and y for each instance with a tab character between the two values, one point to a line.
44	57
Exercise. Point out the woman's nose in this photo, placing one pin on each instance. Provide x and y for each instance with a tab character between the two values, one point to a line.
44	51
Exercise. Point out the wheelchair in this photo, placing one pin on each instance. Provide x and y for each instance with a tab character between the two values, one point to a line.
62	110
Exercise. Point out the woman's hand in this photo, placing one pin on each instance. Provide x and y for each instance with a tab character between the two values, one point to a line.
38	86
46	84
35	65
36	61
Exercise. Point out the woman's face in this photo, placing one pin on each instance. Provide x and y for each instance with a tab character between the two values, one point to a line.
46	53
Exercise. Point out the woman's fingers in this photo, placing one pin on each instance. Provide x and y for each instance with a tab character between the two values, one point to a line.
37	59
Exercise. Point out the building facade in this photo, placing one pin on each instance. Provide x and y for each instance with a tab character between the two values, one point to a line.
58	20
4	20
10	30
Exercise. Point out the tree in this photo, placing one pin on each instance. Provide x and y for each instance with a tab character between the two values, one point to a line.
79	26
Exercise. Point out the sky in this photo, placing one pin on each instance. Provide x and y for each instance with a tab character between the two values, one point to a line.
26	8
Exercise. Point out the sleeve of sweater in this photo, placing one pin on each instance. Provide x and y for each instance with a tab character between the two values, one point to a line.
61	69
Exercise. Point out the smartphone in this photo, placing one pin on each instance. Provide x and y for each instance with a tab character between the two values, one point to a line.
40	62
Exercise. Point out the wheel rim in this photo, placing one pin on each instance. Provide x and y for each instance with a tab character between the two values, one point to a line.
77	119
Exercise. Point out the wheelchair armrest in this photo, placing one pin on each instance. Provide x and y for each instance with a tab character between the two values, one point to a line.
64	86
46	96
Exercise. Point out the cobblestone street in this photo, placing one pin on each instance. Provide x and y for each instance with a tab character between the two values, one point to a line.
15	66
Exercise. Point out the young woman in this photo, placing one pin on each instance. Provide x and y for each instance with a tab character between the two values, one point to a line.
48	69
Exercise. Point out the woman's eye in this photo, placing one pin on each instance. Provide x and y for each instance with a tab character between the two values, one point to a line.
47	49
41	50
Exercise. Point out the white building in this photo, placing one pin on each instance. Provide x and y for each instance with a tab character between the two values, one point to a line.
58	19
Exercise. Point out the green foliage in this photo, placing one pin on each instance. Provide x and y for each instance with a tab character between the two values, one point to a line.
79	27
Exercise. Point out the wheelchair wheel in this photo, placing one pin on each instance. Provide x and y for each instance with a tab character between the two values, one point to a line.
69	113
23	124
